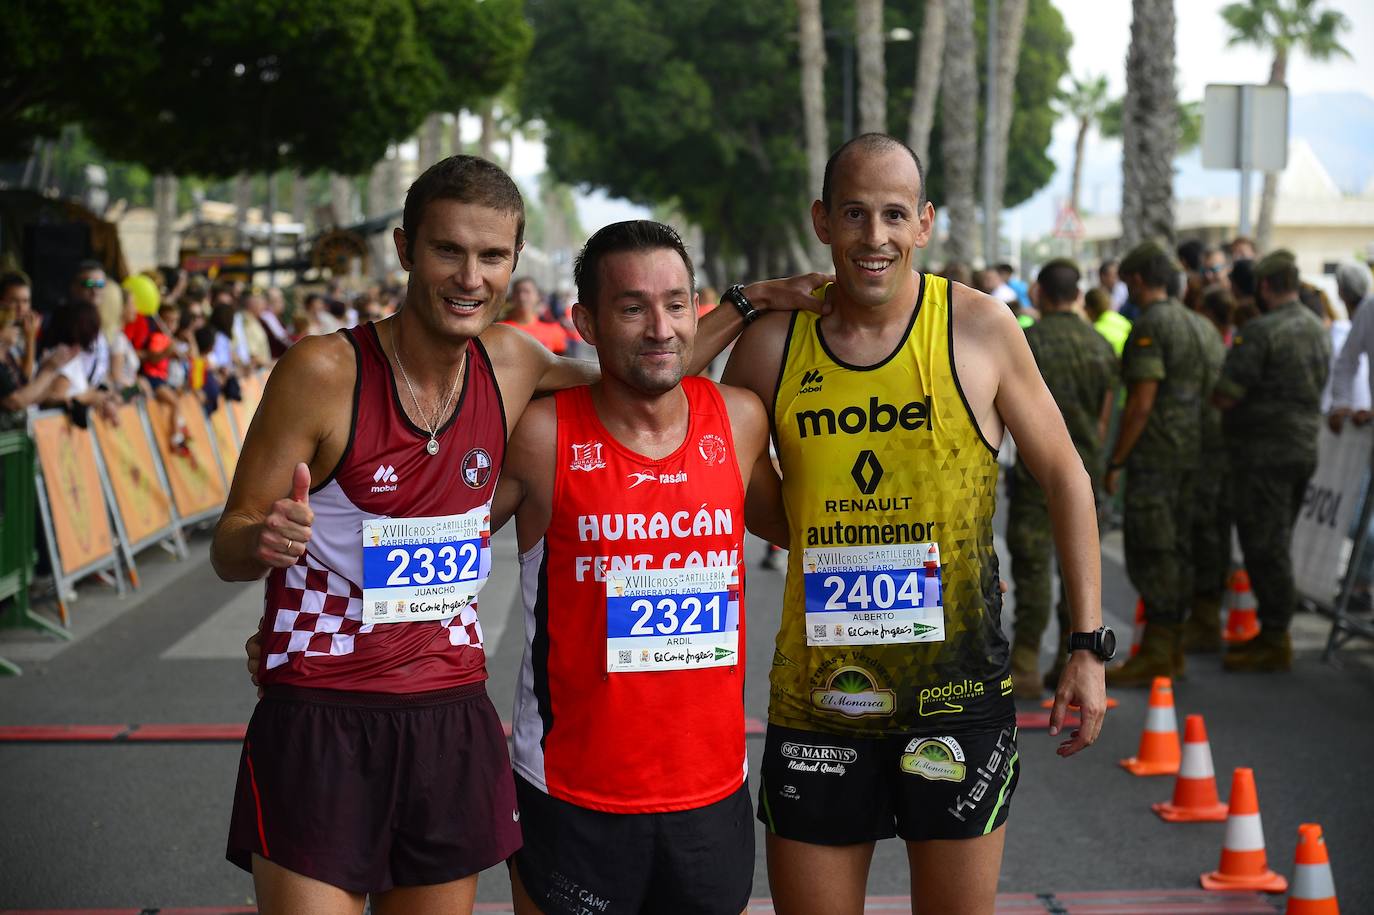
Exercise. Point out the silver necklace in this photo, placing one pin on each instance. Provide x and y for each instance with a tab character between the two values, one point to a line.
431	446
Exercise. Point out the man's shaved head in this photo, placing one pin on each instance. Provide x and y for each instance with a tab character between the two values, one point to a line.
871	144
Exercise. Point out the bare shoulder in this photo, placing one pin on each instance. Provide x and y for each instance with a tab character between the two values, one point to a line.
325	363
744	406
979	316
758	353
539	418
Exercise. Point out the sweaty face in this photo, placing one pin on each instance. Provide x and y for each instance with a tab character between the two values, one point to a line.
460	265
645	320
874	223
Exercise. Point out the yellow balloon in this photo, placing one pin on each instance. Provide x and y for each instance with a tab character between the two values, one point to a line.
144	290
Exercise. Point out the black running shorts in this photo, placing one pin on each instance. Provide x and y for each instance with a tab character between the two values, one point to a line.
830	789
689	862
368	792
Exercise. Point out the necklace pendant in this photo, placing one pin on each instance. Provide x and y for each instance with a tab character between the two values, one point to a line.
432	446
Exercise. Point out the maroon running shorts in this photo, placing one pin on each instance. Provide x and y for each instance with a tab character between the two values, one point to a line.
366	791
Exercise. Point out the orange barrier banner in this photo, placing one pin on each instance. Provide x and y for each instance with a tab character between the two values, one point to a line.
71	479
144	505
252	387
225	439
197	486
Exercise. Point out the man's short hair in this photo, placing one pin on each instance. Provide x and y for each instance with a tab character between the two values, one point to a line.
1243	277
12	278
1352	279
1058	281
620	237
1005	269
872	143
466	179
1096	302
88	265
1280	270
1108	264
1150	261
524	279
1190	254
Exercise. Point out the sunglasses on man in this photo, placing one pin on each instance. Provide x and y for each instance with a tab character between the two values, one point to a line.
93	284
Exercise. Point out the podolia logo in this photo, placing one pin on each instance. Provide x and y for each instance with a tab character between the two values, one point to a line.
851	692
938	759
949	698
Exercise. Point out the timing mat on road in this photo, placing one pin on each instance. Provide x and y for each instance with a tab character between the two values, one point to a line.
1122	902
233	733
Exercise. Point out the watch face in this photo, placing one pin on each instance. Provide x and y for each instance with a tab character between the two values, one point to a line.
1108	644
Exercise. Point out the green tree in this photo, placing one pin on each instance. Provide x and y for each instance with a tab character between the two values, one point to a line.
1084	102
1283	26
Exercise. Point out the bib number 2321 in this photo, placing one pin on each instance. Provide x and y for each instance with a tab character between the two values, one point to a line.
878	595
672	619
424	568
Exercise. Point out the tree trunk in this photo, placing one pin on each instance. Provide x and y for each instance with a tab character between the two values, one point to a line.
1011	25
382	199
869	48
487	139
165	214
927	90
1264	227
457	136
1149	133
341	199
430	142
959	130
812	54
243	199
299	195
1076	187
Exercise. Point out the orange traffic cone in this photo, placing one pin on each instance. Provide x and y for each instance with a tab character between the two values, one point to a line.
1195	791
1243	862
1313	892
1159	751
1242	620
1139	628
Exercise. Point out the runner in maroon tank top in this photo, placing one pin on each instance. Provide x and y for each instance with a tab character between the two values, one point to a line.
375	763
629	499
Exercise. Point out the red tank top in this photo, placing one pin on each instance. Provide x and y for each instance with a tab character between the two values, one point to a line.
636	741
313	632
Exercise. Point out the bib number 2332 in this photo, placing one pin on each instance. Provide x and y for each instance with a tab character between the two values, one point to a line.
879	595
424	568
672	619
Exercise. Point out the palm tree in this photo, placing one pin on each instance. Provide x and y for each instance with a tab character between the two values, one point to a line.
812	54
869	46
1284	26
959	129
929	52
1011	25
1149	129
1084	102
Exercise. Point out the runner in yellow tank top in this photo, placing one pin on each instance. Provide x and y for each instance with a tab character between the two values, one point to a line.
887	411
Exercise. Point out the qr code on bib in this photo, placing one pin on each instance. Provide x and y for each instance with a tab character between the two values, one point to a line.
380	607
625	657
818	631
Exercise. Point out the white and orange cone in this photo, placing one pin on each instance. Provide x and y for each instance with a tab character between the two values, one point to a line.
1244	865
1314	892
1139	629
1159	752
1242	613
1195	790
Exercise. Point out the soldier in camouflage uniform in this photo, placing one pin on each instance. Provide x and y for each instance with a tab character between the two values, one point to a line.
1271	391
1169	365
1079	368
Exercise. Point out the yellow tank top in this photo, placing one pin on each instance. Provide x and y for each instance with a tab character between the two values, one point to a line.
891	618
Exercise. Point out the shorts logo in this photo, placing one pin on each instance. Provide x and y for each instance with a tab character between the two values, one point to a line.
711	447
851	691
949	698
938	759
587	457
790	792
476	468
385	478
805	757
999	767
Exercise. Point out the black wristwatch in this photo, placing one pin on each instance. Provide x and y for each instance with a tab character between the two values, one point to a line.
1101	642
736	297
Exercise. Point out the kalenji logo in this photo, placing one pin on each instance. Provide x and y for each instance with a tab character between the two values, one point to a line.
587	457
385	478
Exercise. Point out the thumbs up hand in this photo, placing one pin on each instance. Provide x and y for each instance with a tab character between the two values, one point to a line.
286	530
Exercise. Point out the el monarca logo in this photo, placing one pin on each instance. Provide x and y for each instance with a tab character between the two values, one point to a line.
851	692
938	759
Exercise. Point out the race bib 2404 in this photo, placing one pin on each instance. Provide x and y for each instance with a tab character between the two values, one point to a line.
424	568
873	595
672	619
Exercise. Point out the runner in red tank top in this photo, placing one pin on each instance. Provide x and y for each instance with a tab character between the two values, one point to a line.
629	499
375	763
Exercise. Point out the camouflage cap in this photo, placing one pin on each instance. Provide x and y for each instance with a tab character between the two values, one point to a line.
1136	259
1275	262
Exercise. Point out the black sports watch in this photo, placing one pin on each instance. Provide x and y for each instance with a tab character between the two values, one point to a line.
1101	642
736	297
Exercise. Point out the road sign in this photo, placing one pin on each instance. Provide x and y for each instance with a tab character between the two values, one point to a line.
1245	127
1068	224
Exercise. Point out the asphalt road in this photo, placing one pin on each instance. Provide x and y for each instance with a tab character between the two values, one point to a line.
143	825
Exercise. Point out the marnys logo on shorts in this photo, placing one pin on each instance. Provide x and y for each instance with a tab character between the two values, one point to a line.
385	479
806	757
938	759
949	698
648	476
